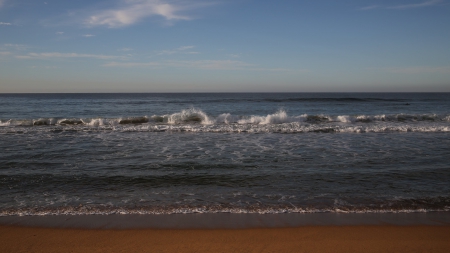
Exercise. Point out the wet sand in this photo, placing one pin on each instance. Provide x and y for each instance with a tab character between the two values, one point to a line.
227	220
319	232
373	238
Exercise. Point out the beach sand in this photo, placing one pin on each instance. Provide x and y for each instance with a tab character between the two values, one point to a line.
378	238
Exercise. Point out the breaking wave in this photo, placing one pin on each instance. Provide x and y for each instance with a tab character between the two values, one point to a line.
195	120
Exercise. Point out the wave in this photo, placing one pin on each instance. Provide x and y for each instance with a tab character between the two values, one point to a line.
436	204
197	119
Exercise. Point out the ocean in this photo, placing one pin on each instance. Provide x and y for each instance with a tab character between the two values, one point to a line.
148	153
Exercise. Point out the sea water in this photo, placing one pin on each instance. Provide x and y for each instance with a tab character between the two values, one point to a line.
213	153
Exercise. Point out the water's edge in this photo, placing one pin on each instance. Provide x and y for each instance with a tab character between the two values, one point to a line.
226	220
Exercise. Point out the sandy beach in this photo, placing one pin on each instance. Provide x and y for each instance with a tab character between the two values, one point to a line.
301	239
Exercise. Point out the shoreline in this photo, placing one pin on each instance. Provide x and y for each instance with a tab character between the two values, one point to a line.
227	220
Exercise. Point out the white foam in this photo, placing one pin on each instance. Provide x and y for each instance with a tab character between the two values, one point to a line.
5	123
196	120
294	127
109	210
21	122
226	118
101	122
344	119
279	117
185	116
44	121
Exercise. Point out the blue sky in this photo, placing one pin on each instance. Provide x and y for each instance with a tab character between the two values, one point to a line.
224	46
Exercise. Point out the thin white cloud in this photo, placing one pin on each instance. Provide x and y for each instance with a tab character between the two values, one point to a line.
211	64
131	64
167	52
201	64
282	70
403	6
5	23
180	50
125	49
417	5
185	48
88	35
17	47
5	53
2	2
60	33
65	55
130	12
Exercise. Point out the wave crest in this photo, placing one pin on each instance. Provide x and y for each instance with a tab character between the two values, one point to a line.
194	117
187	116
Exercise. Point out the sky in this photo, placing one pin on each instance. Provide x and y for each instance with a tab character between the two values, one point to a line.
224	46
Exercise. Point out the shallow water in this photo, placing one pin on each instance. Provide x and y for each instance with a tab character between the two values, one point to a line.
239	153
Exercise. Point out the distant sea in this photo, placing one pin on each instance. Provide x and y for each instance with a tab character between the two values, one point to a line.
226	152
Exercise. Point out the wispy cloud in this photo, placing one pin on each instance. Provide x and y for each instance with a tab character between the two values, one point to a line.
129	12
4	23
88	35
180	50
282	70
2	2
403	6
126	49
131	64
60	33
201	64
17	47
417	5
5	53
185	48
65	55
211	64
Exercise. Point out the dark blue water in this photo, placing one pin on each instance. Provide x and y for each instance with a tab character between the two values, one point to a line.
251	153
